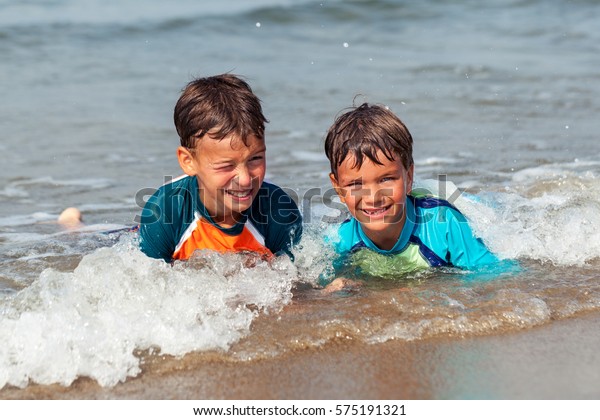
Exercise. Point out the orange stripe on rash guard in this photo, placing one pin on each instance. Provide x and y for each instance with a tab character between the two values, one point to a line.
207	236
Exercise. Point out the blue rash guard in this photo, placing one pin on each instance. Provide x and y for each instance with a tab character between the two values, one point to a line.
175	223
435	234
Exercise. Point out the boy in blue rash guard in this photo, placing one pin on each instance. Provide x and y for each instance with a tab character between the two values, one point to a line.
221	202
370	152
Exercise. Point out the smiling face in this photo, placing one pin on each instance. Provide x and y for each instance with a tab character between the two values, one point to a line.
229	174
375	195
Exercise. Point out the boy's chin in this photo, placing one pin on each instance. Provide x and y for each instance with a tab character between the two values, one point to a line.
237	207
380	226
230	217
376	226
377	222
236	210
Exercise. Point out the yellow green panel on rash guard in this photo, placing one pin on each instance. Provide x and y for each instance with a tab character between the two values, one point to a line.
380	265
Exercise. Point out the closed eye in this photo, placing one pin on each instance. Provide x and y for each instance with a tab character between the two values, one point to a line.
256	160
224	167
353	184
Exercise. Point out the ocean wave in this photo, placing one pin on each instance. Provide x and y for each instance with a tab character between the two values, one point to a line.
446	303
16	13
551	215
24	187
92	321
114	306
34	25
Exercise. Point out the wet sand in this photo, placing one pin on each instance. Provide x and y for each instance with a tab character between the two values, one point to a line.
560	360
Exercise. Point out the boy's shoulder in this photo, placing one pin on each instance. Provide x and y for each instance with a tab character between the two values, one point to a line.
429	205
273	204
174	201
431	196
166	214
172	193
183	185
344	236
268	189
276	217
427	201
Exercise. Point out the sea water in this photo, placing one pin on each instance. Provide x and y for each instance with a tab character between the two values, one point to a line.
501	98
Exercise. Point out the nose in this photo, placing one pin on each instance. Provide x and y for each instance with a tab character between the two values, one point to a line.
374	195
244	179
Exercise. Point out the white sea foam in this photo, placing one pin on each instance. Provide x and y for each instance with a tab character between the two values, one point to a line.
550	218
12	191
89	322
579	168
522	311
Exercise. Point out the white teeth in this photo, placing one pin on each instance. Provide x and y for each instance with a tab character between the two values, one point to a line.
374	212
240	194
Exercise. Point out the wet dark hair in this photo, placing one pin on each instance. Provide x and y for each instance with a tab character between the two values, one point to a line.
365	130
220	105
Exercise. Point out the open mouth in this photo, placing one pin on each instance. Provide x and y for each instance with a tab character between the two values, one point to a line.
380	211
239	194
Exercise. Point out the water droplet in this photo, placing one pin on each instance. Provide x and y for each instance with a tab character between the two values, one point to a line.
258	24
346	45
566	127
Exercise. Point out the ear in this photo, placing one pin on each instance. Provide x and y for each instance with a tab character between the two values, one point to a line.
410	178
186	161
336	186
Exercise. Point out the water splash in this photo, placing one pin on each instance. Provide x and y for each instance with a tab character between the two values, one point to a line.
90	322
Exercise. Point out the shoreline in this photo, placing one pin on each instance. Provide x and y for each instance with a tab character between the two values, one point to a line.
559	360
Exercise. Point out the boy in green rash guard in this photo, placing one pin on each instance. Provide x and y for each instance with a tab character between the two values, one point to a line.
370	152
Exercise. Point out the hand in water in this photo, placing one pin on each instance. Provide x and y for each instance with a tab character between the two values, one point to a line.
342	284
70	218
